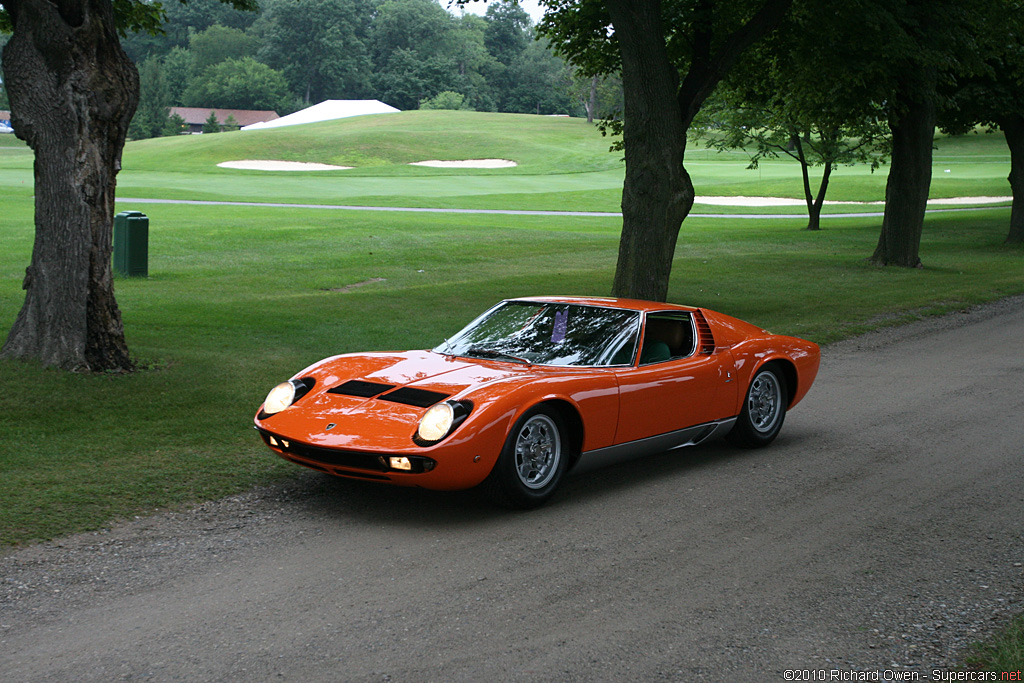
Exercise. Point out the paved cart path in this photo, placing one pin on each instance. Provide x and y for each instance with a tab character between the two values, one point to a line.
517	212
882	530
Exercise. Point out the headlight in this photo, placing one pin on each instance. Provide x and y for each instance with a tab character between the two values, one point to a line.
285	394
441	420
436	422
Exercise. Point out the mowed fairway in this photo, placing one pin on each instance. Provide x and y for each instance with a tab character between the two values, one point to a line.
240	298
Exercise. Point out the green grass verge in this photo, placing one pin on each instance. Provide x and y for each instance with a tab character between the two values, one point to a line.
240	297
1003	653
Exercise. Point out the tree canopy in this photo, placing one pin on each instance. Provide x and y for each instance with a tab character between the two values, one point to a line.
402	52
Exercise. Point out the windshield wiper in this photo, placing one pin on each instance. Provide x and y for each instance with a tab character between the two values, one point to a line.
494	353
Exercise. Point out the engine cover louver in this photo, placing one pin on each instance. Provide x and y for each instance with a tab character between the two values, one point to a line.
705	339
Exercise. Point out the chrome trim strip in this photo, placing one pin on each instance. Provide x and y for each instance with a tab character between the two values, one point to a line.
611	455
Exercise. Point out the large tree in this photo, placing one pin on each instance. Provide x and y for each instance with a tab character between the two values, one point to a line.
671	55
73	92
992	97
923	44
239	84
795	94
321	46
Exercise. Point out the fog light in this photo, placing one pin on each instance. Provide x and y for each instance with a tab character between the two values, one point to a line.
273	442
400	463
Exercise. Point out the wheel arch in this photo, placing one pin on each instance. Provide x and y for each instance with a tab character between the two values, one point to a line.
789	376
573	424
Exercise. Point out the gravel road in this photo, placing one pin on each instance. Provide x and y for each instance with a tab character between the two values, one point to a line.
880	533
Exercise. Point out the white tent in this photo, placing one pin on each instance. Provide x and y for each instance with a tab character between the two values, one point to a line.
328	110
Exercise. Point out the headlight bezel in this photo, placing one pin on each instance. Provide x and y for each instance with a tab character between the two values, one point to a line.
458	411
298	389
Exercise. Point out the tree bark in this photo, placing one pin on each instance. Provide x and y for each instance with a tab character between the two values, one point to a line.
73	92
1013	128
657	192
912	122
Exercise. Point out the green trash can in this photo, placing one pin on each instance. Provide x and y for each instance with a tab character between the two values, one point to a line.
131	244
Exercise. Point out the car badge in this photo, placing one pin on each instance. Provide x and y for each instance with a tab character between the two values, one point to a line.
331	426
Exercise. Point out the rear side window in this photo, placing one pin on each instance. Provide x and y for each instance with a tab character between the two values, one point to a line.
667	336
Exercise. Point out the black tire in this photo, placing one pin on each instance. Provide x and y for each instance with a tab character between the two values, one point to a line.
532	462
764	410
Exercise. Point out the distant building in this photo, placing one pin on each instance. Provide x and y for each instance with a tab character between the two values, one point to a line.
195	117
328	110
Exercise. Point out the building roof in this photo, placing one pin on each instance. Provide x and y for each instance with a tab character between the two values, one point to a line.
328	110
244	117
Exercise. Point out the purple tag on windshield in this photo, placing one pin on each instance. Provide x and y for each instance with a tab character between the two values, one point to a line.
561	324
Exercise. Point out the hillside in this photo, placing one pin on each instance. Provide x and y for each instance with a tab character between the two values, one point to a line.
386	144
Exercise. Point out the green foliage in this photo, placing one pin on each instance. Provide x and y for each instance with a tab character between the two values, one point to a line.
178	70
238	84
321	46
539	83
218	43
211	125
507	33
175	125
445	100
151	114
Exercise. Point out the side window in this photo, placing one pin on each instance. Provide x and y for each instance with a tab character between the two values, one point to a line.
667	336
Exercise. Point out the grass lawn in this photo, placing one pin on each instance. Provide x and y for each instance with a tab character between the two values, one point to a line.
240	298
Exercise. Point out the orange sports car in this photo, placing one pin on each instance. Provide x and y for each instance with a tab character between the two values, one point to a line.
535	387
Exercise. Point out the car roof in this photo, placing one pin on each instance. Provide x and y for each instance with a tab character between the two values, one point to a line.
609	302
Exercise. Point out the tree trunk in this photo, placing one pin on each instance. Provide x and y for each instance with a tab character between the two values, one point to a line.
657	193
73	92
912	122
592	101
814	203
1013	128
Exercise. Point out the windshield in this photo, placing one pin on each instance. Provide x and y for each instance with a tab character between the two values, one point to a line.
544	333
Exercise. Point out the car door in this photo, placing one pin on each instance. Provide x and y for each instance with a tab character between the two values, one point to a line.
671	386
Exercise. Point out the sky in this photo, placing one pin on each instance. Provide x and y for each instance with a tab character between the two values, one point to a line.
531	6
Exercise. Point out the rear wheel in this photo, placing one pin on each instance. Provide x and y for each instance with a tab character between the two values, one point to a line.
532	462
764	410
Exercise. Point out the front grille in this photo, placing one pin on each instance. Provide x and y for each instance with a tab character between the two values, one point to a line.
334	457
328	456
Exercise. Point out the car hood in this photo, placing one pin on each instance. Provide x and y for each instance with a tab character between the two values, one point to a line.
375	401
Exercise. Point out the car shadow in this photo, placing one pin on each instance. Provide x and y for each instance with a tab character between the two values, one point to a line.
341	498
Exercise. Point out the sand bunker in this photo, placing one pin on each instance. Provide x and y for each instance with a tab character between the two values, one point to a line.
785	201
467	163
264	165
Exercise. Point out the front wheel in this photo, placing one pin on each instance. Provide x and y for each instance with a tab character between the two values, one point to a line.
764	410
532	462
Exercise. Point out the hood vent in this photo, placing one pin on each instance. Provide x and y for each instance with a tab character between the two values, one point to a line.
411	396
362	389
